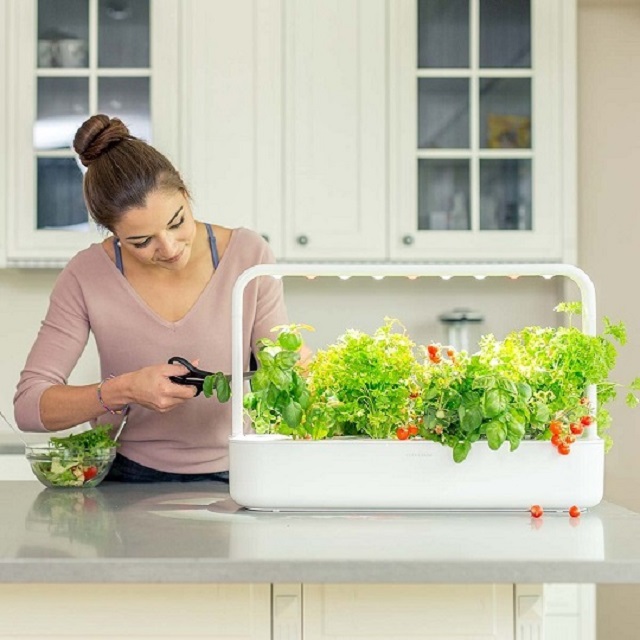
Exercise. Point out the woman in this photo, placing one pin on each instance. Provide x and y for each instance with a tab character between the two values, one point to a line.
158	287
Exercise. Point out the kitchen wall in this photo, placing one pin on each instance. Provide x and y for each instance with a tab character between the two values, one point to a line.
609	228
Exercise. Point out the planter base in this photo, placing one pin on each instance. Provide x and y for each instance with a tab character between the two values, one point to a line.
276	473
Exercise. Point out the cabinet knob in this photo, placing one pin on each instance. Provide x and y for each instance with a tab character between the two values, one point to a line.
302	240
408	240
265	236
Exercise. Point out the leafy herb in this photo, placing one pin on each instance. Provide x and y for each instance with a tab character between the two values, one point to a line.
367	384
87	443
279	395
217	384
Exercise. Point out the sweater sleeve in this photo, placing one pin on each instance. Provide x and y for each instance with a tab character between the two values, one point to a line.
60	342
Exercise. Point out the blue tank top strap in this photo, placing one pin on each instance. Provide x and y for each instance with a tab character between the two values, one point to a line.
214	247
118	253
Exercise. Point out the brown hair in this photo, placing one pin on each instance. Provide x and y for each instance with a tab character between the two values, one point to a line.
122	170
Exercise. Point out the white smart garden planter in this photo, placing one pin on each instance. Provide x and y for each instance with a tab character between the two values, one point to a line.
277	473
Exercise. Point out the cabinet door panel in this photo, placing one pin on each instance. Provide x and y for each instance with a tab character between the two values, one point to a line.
335	120
54	84
241	611
519	203
232	105
482	612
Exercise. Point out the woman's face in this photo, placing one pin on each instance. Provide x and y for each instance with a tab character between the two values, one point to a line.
161	233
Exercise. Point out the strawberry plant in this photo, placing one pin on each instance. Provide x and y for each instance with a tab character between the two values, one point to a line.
530	385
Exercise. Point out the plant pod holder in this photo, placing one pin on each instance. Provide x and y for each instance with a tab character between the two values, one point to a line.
277	473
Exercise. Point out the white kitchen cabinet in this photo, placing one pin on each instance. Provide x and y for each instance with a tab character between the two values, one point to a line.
338	129
291	611
231	105
482	130
285	122
569	612
335	161
336	612
65	60
239	611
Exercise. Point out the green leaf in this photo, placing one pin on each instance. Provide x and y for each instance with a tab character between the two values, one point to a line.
292	414
515	432
495	403
208	385
616	331
570	308
280	378
250	401
470	418
461	450
304	399
286	359
524	391
540	413
223	388
289	340
496	434
631	400
260	380
265	358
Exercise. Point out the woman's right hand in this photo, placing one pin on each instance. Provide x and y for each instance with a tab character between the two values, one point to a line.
151	387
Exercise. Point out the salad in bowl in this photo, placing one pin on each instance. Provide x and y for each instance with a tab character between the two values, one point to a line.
79	460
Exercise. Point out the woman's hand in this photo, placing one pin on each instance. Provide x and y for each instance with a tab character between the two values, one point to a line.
151	388
63	406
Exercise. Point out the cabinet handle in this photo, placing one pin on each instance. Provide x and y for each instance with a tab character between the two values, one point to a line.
265	236
302	240
408	240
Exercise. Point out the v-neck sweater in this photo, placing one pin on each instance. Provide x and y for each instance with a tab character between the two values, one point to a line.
91	295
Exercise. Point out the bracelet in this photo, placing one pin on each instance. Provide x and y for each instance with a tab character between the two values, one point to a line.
115	412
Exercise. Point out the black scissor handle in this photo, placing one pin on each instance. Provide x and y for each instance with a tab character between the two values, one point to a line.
194	376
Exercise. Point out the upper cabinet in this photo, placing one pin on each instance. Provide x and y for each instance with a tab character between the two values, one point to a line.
482	130
285	113
68	59
412	130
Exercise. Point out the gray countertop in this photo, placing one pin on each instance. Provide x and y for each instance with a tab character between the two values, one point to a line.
194	533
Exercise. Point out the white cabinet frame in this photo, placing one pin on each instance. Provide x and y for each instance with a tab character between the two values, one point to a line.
553	152
27	246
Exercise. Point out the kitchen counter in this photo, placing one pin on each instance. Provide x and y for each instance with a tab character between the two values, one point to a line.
167	533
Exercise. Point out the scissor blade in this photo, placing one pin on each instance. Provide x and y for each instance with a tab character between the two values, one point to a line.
247	375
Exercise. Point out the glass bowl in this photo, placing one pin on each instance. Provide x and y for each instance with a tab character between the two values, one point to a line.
59	468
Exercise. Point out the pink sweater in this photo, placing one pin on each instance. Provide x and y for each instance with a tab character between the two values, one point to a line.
92	295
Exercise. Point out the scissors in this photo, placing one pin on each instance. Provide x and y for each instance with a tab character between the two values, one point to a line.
195	377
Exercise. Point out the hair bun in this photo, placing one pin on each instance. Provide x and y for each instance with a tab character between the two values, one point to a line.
96	135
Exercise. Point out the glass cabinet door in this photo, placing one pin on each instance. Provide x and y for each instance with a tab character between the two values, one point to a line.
93	56
474	112
482	130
